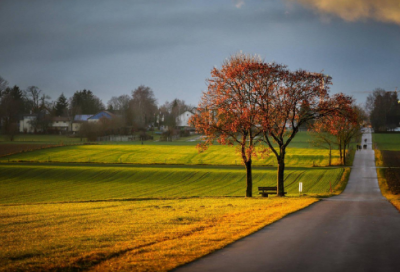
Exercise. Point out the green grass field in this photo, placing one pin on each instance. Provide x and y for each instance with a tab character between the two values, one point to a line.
166	154
133	207
387	141
54	183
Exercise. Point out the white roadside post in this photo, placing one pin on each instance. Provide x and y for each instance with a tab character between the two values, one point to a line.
300	187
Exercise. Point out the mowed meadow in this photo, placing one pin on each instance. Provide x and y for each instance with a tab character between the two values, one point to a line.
151	207
167	154
52	183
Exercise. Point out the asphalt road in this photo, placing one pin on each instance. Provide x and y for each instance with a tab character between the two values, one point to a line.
356	231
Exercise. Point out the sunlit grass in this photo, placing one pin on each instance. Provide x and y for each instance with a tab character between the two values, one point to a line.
49	183
167	154
145	217
151	235
394	199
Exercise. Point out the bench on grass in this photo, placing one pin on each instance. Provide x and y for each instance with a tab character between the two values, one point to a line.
265	191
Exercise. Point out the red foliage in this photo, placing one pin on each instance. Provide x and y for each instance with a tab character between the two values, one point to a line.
248	97
343	125
229	111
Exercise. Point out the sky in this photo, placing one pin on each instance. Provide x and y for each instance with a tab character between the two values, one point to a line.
112	47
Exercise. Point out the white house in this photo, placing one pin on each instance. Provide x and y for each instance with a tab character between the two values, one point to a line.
78	120
60	124
55	124
183	119
25	124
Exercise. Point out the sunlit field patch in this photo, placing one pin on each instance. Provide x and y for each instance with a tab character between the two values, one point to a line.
167	154
142	208
147	235
49	183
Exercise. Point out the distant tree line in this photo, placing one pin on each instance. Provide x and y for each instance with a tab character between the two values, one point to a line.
138	110
384	110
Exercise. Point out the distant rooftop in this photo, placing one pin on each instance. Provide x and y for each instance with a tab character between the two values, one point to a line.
59	118
102	114
82	117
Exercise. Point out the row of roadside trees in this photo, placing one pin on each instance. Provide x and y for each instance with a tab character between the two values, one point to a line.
260	107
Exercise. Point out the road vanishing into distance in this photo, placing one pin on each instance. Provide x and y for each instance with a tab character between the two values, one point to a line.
358	230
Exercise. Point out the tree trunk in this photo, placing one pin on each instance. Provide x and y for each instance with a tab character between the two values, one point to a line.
330	155
281	173
344	155
249	179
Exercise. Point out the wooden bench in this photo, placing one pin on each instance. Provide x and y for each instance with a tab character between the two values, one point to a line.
265	191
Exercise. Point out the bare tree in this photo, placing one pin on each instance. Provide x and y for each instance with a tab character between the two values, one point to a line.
120	103
33	96
3	85
143	106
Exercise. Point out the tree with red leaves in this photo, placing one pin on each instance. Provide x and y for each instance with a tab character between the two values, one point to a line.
322	138
343	127
229	112
282	109
248	97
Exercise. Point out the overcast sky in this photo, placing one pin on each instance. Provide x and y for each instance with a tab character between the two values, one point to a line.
112	47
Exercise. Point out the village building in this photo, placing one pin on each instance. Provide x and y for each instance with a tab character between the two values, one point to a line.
182	120
60	125
78	121
26	123
102	114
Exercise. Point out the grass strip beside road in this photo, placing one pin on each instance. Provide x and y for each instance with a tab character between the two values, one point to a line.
151	235
383	184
